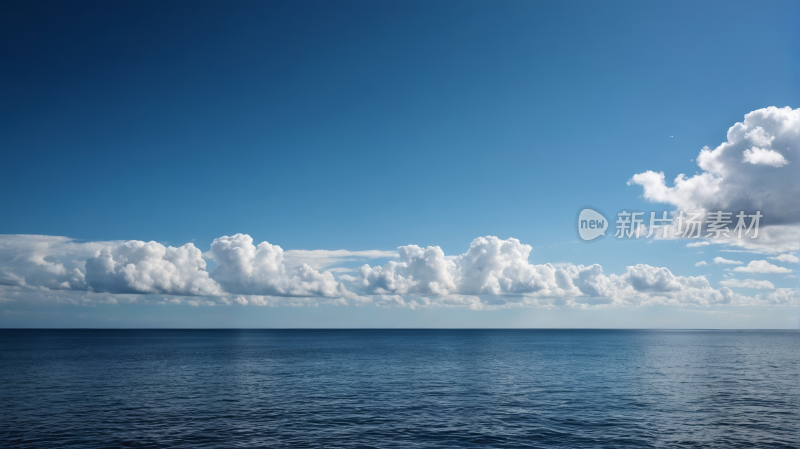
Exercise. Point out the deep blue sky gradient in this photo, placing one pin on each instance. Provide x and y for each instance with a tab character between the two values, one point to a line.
368	125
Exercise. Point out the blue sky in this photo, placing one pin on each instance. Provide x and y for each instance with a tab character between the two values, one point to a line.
371	125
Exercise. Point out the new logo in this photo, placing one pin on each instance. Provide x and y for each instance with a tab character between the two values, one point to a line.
591	224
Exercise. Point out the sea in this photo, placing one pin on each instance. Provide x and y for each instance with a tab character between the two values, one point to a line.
400	388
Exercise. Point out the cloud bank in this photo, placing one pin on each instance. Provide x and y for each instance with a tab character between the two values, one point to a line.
492	273
500	270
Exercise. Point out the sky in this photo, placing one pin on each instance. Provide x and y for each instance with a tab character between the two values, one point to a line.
409	164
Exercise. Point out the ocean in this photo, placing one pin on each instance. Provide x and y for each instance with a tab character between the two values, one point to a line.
399	388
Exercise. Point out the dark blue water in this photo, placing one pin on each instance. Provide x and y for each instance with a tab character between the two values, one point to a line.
399	388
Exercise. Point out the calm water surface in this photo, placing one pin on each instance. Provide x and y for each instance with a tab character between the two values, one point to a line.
399	388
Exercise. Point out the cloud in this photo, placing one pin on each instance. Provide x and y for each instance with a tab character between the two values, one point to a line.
645	278
701	263
136	267
644	284
198	303
753	170
496	272
762	266
781	296
721	261
495	266
419	271
56	263
790	258
761	156
139	267
771	239
747	283
243	268
491	266
696	244
492	273
326	259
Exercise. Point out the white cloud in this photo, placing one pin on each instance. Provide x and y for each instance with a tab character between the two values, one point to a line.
697	244
790	276
419	271
790	258
496	272
771	240
151	268
644	284
762	266
761	156
645	278
495	266
747	283
781	296
701	263
139	267
243	268
45	261
751	171
198	303
721	261
491	266
493	273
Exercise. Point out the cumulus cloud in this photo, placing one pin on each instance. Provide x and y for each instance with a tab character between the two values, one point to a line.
491	266
762	266
696	244
761	156
497	272
747	283
139	267
495	266
781	296
419	271
722	261
701	263
136	267
790	258
645	278
43	261
644	284
753	170
492	273
243	268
